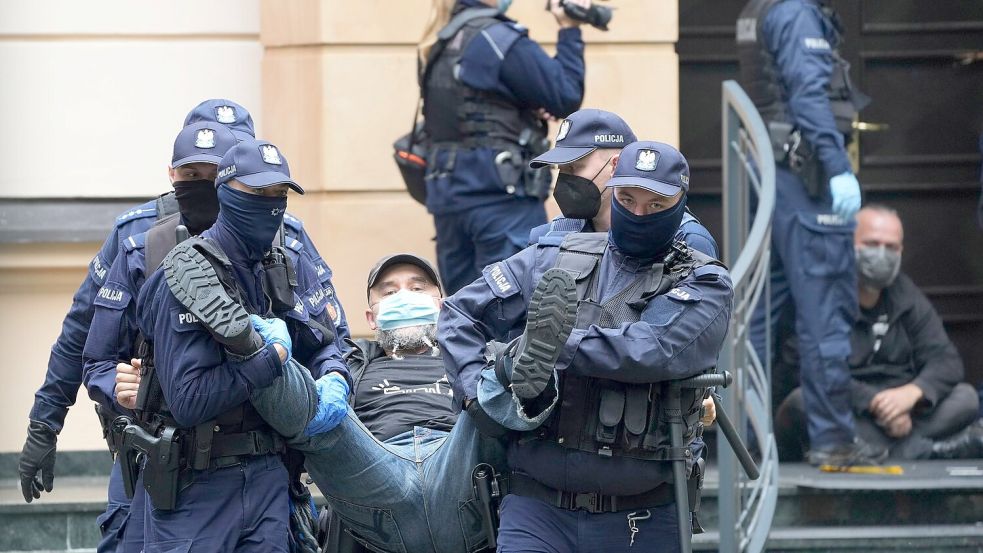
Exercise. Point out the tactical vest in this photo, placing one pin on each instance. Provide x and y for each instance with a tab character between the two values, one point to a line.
761	78
166	205
459	116
610	418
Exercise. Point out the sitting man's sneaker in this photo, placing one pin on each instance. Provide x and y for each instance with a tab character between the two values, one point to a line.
195	284
551	316
966	444
858	453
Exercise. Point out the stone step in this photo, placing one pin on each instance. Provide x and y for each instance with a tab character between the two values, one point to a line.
934	506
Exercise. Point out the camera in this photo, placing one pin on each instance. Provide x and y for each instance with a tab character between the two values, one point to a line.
595	16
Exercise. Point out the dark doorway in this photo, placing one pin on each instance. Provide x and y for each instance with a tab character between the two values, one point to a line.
922	63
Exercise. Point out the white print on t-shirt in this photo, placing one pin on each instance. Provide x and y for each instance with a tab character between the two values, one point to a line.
441	387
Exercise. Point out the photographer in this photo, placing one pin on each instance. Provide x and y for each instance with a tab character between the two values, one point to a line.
487	90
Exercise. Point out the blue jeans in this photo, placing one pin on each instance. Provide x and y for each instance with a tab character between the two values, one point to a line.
412	494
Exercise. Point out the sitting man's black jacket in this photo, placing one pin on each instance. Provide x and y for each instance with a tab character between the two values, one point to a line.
391	396
915	348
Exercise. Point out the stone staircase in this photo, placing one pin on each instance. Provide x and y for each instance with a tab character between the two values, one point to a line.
934	506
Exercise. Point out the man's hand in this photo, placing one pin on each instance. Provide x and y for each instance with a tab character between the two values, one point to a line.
709	412
37	461
127	383
898	427
561	17
893	402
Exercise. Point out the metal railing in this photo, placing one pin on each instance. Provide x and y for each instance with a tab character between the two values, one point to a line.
746	507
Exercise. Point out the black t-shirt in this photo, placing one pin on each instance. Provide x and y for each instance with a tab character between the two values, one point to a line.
392	396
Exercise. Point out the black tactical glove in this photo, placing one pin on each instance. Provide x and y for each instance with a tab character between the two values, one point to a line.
38	457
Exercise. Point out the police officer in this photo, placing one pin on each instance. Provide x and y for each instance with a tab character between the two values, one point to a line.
792	71
586	151
197	151
64	373
647	310
228	489
485	85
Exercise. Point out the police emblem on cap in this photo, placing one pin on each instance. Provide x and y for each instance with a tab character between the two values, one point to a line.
205	139
564	129
225	114
684	178
270	155
647	160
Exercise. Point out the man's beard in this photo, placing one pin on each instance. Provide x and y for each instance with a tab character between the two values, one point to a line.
408	339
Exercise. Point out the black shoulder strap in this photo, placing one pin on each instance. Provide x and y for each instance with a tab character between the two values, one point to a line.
161	239
580	254
166	205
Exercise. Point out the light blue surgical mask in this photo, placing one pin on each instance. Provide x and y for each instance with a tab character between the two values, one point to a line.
503	5
406	308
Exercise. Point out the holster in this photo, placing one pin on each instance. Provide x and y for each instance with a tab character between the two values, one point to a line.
112	438
162	458
695	489
794	153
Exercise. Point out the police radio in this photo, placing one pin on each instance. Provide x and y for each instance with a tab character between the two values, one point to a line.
595	16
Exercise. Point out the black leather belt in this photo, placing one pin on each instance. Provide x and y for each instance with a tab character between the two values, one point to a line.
227	448
592	502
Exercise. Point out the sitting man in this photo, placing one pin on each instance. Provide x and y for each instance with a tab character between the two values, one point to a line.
906	387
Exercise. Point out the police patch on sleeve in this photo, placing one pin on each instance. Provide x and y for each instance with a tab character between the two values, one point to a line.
112	296
98	270
499	278
683	295
814	43
183	320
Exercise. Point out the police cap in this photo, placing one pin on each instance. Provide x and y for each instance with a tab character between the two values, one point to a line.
226	112
202	142
257	164
653	166
583	132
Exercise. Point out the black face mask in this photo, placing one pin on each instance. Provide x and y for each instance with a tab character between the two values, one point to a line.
578	197
645	236
198	202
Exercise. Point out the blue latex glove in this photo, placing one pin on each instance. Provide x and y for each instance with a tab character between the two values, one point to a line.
846	195
273	331
332	404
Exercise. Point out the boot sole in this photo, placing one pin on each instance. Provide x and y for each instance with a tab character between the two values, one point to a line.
550	319
193	281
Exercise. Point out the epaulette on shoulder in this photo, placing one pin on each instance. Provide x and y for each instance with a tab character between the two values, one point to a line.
293	244
143	211
135	242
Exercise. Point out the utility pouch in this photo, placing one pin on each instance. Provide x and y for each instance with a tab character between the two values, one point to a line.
279	280
149	394
609	415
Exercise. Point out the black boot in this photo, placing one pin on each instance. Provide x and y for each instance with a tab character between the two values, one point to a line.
967	444
194	282
551	316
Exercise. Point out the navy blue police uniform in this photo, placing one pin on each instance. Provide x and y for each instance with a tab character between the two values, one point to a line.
676	331
237	502
480	96
793	73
